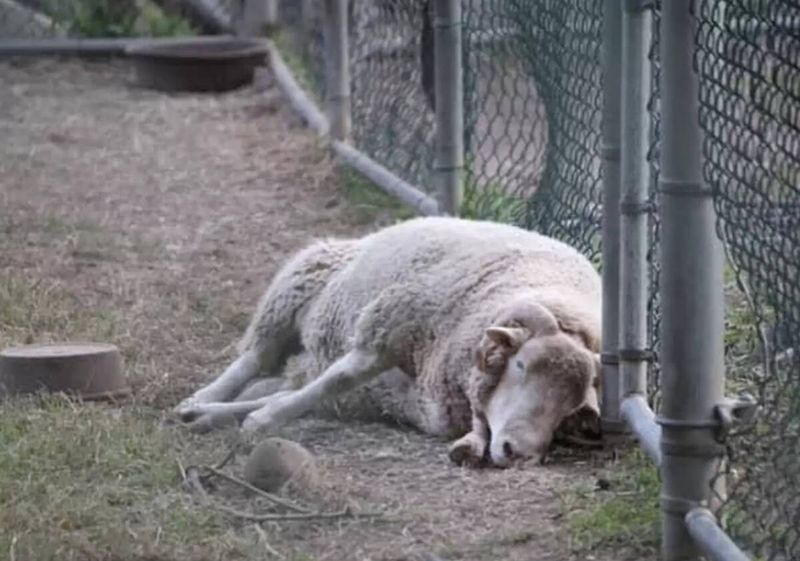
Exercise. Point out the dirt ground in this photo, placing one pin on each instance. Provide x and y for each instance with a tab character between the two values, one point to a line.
172	212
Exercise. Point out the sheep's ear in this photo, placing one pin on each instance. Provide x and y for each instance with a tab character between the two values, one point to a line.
511	338
498	344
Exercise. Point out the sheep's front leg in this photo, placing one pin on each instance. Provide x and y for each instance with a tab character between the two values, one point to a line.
225	386
204	417
353	369
471	448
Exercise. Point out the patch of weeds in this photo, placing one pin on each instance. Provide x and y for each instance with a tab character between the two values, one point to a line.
82	481
743	350
488	200
367	201
624	513
298	63
115	18
39	311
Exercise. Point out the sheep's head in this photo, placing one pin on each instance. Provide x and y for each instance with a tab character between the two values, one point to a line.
530	378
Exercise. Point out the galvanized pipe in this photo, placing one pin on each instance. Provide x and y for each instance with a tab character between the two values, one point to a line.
337	69
642	422
610	154
70	46
635	182
386	180
691	293
707	534
449	93
298	98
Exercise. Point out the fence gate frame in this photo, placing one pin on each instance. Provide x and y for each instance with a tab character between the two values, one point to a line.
686	440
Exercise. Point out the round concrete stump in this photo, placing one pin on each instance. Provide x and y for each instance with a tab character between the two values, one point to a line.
89	371
277	462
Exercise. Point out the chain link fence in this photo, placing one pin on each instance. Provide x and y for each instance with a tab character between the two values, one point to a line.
653	257
533	101
533	97
392	86
533	109
748	60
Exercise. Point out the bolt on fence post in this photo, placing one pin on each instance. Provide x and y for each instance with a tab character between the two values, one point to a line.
636	37
610	154
691	294
449	94
337	69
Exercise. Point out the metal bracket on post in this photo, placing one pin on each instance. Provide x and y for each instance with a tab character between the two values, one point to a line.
636	355
638	5
633	208
733	411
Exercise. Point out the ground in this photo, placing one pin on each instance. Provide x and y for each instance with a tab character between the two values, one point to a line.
155	221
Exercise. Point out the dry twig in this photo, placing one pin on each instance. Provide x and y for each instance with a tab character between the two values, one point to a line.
269	496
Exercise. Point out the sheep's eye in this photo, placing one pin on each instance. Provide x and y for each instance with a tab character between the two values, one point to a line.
520	365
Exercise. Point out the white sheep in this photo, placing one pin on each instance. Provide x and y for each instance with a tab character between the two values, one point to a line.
474	330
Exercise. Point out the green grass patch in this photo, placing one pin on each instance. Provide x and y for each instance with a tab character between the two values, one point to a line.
116	18
39	311
367	201
298	63
84	481
488	200
624	513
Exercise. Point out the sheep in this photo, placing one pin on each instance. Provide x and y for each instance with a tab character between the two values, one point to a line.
480	332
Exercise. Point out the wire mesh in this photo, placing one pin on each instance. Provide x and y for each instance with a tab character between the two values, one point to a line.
748	60
533	100
654	226
302	42
391	66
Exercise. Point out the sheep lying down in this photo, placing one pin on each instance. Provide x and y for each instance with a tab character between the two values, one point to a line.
480	332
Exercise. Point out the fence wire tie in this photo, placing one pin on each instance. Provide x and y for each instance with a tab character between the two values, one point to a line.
733	411
636	355
730	412
637	207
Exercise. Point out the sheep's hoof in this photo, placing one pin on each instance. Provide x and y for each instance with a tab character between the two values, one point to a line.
208	422
468	450
187	410
253	422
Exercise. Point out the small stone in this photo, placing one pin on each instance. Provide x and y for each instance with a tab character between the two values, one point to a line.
277	462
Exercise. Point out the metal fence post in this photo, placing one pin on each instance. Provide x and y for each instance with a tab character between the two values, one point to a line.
636	37
691	292
637	22
610	153
449	94
337	70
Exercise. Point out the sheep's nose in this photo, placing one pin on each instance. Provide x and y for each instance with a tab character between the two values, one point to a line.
508	450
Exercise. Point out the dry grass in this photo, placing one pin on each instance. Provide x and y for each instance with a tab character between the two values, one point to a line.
154	222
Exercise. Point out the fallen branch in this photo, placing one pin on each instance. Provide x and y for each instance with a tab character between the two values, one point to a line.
270	517
269	496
